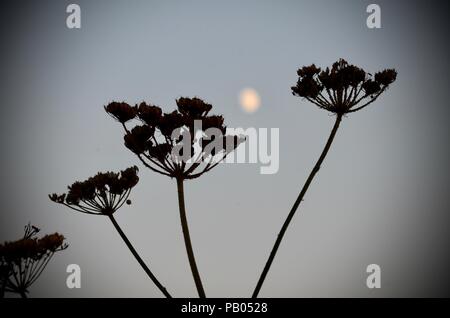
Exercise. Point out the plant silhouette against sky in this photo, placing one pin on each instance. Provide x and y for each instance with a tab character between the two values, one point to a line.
341	90
23	261
173	144
104	194
188	142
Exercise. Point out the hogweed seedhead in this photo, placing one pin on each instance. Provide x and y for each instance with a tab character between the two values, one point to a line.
102	194
344	88
23	261
183	144
121	112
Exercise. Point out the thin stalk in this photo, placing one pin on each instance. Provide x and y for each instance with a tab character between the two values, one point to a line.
295	206
138	258
187	240
23	294
2	288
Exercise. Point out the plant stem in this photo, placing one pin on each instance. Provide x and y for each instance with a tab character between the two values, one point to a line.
295	206
23	294
187	239
138	258
3	280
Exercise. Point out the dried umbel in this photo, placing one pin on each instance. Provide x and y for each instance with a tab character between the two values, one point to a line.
102	194
121	111
181	144
24	260
344	88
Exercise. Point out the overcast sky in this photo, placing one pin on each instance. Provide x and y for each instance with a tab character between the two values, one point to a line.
381	195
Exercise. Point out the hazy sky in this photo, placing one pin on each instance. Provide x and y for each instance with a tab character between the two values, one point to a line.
381	195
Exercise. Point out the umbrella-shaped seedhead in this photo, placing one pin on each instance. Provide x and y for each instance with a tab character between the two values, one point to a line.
121	111
22	261
182	144
102	194
344	88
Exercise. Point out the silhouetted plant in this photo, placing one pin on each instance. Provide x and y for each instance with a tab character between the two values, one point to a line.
23	261
174	145
104	194
342	90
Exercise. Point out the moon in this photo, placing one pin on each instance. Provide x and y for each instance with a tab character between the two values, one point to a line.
249	100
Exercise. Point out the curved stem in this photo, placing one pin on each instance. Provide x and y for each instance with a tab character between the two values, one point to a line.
187	240
138	258
295	206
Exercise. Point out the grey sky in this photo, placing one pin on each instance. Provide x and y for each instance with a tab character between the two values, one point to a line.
381	196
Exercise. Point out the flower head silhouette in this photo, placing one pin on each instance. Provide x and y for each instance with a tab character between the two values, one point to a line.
104	194
24	260
160	141
121	111
183	144
344	88
341	90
